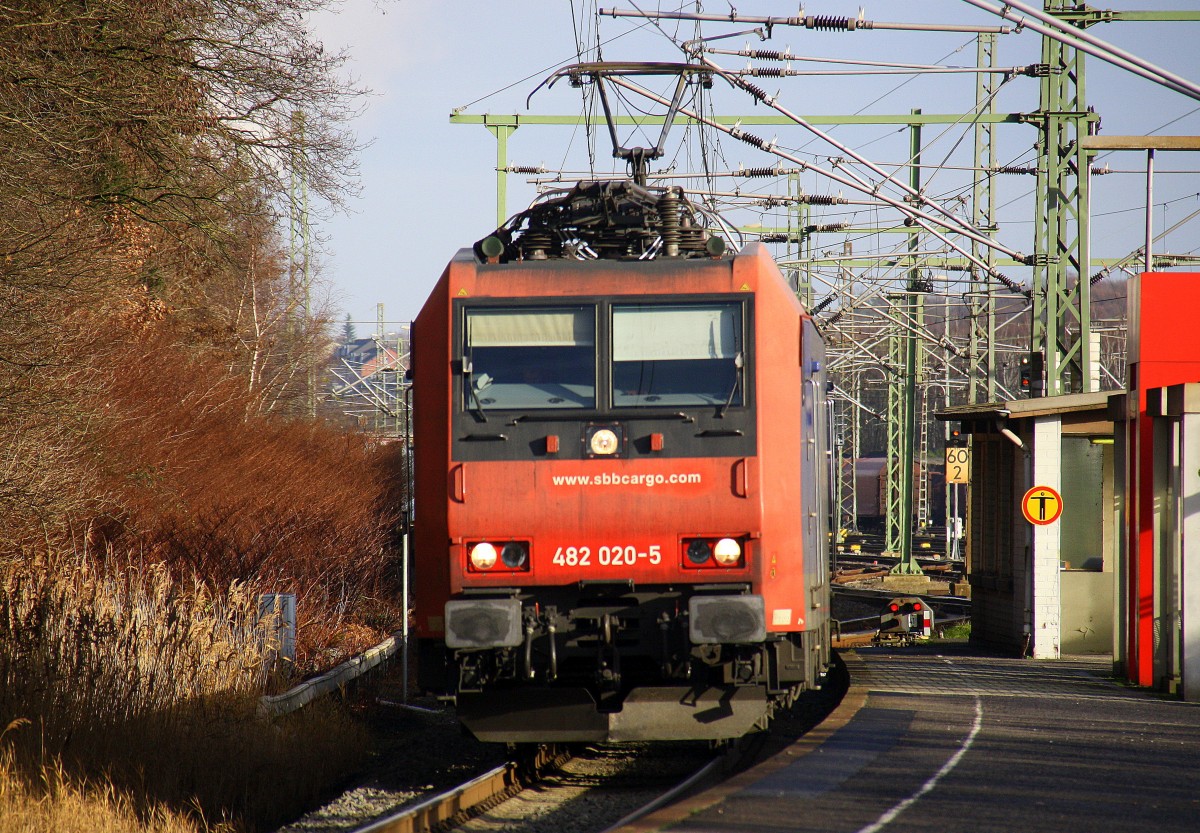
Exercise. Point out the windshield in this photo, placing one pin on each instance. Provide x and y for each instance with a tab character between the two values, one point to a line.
677	355
530	358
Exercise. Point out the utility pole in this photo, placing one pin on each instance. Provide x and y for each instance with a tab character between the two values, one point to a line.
981	302
913	302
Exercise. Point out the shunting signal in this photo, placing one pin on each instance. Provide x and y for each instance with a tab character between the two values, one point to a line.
904	621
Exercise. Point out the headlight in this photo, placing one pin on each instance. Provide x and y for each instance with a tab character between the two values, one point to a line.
514	555
603	439
712	553
698	551
604	442
498	556
483	556
727	552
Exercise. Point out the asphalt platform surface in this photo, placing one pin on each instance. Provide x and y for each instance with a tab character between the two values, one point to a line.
941	737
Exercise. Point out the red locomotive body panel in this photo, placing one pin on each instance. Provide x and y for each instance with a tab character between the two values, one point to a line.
750	472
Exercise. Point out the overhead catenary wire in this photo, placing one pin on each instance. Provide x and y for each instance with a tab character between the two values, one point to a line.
919	217
817	270
964	227
822	22
1056	29
787	56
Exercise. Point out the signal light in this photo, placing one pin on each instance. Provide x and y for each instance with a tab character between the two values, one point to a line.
916	606
894	608
1037	369
1033	368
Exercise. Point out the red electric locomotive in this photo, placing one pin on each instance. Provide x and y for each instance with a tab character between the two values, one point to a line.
621	463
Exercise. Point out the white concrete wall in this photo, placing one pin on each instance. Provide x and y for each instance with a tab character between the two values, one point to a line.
1189	528
1046	601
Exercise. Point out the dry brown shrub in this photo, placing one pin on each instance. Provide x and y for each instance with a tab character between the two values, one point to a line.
209	485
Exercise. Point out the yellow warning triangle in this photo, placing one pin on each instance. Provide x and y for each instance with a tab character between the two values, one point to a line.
462	293
745	287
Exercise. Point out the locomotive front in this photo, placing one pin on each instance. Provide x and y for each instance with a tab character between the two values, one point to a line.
621	469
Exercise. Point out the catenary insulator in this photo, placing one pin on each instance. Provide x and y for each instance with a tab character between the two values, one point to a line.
766	55
668	218
537	243
821	199
826	301
750	139
825	21
1008	282
755	90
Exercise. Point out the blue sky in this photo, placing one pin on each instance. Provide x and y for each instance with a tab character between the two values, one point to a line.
428	186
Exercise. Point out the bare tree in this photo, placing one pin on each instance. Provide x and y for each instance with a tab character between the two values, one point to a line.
148	149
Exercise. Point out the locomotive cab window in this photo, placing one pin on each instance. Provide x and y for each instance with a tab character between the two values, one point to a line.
677	355
529	358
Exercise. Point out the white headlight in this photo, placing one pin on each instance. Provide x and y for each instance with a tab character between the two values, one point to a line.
727	552
604	441
483	556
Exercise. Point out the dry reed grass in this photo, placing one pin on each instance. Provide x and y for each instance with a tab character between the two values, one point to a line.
149	684
57	804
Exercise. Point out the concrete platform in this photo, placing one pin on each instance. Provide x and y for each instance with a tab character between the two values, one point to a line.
940	738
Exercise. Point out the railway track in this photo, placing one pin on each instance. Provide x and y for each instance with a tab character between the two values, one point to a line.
600	787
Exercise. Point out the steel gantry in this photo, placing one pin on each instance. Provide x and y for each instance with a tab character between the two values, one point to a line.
1062	258
981	300
1061	301
878	320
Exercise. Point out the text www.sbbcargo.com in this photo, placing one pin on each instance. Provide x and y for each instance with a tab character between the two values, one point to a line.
613	479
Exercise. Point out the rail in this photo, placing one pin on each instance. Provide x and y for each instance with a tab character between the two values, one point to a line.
428	814
669	796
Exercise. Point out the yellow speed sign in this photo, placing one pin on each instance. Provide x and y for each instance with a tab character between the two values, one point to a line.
958	464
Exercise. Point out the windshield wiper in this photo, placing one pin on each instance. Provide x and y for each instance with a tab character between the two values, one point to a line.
738	364
468	380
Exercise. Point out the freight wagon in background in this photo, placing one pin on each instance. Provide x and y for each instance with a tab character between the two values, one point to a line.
870	483
621	455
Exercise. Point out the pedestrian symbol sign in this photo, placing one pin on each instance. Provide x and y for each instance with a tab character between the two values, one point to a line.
1042	505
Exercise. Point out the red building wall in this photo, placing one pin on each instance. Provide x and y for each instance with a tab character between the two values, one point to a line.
1163	348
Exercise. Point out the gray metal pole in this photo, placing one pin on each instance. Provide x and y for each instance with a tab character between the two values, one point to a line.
404	625
1149	207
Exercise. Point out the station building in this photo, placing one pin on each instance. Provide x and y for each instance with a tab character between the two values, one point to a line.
1117	569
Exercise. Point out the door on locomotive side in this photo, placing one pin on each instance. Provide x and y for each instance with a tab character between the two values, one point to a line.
814	468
